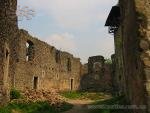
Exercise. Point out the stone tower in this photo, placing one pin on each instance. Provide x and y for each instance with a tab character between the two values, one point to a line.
8	22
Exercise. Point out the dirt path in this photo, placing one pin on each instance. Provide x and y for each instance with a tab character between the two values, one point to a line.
80	106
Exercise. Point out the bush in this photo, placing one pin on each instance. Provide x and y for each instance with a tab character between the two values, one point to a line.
14	94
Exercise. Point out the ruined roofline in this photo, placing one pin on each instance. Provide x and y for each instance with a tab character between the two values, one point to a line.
113	18
48	45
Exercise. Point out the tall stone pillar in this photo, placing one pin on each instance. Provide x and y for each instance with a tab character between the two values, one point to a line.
4	70
8	22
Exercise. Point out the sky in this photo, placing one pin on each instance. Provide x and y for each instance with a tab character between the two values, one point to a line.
75	26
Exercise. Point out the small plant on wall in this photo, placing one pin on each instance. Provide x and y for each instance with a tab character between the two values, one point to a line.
14	94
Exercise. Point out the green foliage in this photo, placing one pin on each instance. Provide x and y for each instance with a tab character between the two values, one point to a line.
34	107
83	95
14	94
108	61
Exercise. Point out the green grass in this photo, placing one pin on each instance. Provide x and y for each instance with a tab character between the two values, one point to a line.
37	107
113	101
72	95
83	95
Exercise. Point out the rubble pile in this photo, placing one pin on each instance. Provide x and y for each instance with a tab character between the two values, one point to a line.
51	96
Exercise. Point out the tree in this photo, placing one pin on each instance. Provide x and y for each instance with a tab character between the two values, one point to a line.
25	12
108	61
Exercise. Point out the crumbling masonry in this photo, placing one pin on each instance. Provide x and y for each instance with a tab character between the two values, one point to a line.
28	63
129	21
96	75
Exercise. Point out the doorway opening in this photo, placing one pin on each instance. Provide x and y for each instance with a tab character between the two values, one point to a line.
71	85
35	83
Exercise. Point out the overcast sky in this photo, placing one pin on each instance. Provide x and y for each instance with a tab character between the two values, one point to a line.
76	26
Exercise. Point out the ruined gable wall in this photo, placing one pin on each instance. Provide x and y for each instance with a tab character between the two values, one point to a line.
134	74
51	74
96	75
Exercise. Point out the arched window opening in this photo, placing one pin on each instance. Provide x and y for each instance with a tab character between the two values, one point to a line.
30	51
97	66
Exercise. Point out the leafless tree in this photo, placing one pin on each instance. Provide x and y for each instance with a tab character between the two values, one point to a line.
25	13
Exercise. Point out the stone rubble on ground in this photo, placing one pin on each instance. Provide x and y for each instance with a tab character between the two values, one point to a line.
51	96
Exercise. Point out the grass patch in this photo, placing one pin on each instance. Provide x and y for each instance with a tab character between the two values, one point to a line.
113	101
72	94
34	107
83	95
65	107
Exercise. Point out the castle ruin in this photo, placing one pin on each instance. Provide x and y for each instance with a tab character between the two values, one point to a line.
28	63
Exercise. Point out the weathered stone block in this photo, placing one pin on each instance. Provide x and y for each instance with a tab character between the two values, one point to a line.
144	45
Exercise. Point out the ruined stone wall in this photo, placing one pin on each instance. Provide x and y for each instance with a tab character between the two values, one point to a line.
143	20
95	64
135	33
27	62
116	84
8	27
117	67
84	69
97	76
4	70
50	67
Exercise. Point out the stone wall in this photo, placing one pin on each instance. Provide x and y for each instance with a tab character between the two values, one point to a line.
4	65
8	26
143	21
133	19
134	34
117	67
41	66
97	76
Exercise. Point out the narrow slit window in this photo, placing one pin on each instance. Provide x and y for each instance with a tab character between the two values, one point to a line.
57	56
69	64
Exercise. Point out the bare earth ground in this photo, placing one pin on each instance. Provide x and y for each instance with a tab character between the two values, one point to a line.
80	106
